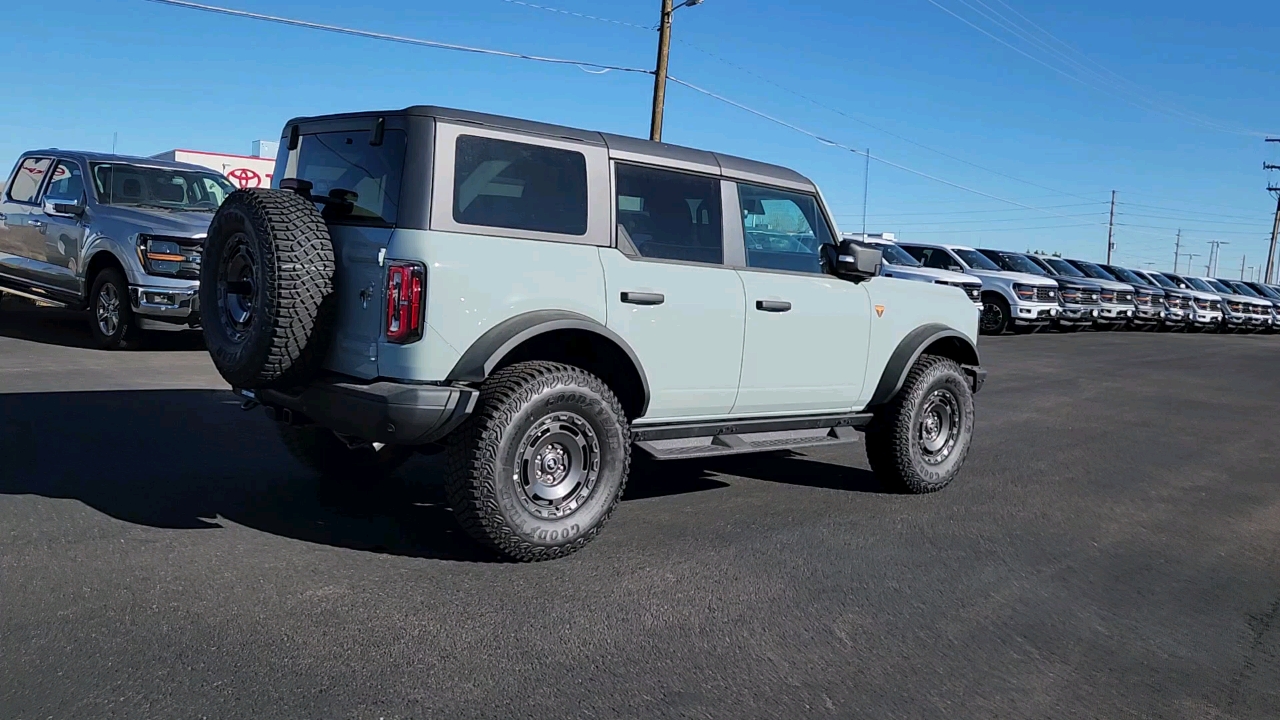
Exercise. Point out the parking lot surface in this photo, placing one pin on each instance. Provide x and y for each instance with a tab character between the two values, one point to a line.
1111	550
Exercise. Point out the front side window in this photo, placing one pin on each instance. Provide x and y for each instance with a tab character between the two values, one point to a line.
159	188
519	186
1219	287
1162	281
1124	275
1020	263
1200	285
363	180
783	230
67	182
670	215
1095	272
936	258
25	185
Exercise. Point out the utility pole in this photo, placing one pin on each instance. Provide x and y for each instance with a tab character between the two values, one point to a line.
1177	246
660	72
1269	274
1190	258
1111	228
1242	268
1215	249
866	185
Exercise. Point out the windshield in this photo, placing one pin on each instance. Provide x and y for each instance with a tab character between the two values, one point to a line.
976	260
1267	292
1163	281
1200	285
1020	263
1219	287
161	188
1062	267
1240	288
1127	276
1095	272
895	255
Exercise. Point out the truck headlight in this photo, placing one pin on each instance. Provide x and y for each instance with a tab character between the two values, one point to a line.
168	256
1026	292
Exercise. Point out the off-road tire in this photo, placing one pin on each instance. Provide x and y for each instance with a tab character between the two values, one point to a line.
994	327
323	452
894	447
289	253
125	335
484	479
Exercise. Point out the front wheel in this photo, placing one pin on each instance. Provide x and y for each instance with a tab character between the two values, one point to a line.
111	314
995	314
917	443
539	467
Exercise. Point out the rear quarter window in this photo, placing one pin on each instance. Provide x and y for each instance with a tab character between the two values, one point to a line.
519	186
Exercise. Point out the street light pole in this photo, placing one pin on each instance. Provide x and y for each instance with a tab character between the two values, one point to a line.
660	72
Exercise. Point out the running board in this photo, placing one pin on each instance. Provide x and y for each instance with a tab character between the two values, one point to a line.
39	299
684	448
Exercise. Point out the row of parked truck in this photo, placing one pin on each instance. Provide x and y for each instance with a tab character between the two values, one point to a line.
1026	292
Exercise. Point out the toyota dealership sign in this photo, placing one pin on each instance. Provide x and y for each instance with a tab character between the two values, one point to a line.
244	171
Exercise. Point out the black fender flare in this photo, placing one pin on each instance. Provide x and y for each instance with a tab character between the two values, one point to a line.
910	350
480	360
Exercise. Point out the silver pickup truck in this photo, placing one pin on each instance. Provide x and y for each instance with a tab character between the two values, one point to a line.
118	236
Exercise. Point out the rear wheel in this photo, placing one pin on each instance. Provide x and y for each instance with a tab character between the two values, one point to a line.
917	443
539	467
111	318
335	457
995	314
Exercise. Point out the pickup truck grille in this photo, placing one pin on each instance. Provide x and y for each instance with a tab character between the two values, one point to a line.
1089	297
974	292
1046	295
1215	305
1123	297
1174	302
1143	299
1237	308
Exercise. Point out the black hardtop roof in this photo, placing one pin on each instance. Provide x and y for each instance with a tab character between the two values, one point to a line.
729	165
96	157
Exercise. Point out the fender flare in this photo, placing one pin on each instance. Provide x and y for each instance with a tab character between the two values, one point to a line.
910	350
479	361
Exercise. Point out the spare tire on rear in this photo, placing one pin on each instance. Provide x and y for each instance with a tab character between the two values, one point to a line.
267	300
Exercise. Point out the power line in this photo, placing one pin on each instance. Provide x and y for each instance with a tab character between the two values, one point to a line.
1182	211
973	212
1183	219
993	230
393	38
581	15
970	222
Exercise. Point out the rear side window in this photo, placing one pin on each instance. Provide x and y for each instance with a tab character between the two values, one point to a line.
519	186
25	185
670	215
344	166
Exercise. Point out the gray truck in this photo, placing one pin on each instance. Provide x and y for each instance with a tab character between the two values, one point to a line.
535	301
118	236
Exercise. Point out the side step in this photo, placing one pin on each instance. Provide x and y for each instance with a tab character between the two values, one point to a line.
743	443
41	300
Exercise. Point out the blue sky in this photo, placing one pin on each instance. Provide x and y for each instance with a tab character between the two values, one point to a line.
167	78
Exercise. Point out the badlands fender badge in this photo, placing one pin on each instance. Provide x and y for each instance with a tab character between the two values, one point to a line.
879	311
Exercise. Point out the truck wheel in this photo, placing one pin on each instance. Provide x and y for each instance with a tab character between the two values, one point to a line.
538	468
110	312
995	314
321	450
266	289
917	443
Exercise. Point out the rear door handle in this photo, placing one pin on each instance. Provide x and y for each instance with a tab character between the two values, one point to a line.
773	305
643	298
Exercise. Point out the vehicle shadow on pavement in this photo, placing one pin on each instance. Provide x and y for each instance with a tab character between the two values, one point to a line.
70	328
191	459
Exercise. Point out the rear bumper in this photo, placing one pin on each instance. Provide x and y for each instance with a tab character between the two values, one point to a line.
385	412
977	376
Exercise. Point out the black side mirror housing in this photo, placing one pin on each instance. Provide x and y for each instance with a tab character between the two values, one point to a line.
63	207
852	261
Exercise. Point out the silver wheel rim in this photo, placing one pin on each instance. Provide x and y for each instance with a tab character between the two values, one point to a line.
939	426
558	463
107	309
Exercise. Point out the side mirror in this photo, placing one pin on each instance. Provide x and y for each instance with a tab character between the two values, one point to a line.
852	261
64	207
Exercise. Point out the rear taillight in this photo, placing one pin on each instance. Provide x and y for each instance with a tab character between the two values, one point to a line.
405	285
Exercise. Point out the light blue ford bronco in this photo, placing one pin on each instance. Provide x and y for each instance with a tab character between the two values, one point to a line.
537	302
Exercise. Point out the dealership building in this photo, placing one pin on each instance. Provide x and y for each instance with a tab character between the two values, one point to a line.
244	171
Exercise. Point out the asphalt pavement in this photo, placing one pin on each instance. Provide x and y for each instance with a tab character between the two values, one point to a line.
1111	550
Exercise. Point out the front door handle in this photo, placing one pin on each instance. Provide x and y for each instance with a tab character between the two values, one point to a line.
643	298
773	305
36	223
